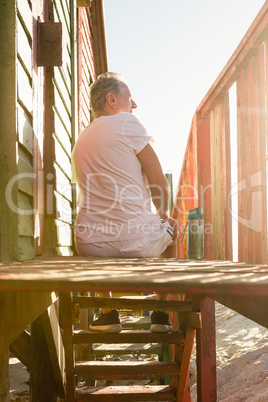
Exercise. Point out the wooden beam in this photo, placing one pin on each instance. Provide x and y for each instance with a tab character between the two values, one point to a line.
65	311
43	387
8	135
130	303
204	179
21	348
55	347
4	377
128	336
221	180
206	351
185	363
99	38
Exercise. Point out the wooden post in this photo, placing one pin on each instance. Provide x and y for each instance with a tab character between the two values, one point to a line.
67	325
4	377
55	347
42	382
204	179
8	135
182	391
206	350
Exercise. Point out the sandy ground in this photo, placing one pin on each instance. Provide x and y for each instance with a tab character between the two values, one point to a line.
242	362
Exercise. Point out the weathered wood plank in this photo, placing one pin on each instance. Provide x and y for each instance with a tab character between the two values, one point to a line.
204	179
25	248
25	129
221	179
25	171
123	393
24	89
126	369
8	137
132	275
187	192
4	377
206	351
258	155
252	208
139	323
25	226
131	303
185	363
192	319
25	222
21	348
127	336
126	348
66	323
55	347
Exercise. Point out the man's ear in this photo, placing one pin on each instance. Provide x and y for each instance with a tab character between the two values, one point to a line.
110	99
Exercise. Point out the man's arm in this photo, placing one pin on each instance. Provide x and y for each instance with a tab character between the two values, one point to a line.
158	183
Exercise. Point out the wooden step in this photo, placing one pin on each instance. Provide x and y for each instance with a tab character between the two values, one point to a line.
125	369
127	348
126	393
131	322
127	336
131	303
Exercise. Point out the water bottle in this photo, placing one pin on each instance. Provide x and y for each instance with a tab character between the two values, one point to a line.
195	234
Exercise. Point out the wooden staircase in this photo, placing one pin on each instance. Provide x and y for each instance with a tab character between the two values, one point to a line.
172	372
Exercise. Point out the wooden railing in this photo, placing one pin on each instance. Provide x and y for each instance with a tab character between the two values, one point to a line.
207	178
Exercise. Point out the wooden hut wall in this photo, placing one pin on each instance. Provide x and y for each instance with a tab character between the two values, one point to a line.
44	174
39	122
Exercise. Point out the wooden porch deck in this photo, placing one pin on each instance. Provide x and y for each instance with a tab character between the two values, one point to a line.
25	290
206	277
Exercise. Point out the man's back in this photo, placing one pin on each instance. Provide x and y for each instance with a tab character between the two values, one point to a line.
114	196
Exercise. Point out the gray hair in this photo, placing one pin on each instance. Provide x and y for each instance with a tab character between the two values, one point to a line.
105	83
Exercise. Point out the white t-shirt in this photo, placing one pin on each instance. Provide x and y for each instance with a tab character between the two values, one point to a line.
114	201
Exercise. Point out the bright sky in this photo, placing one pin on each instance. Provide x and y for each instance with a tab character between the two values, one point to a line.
171	52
